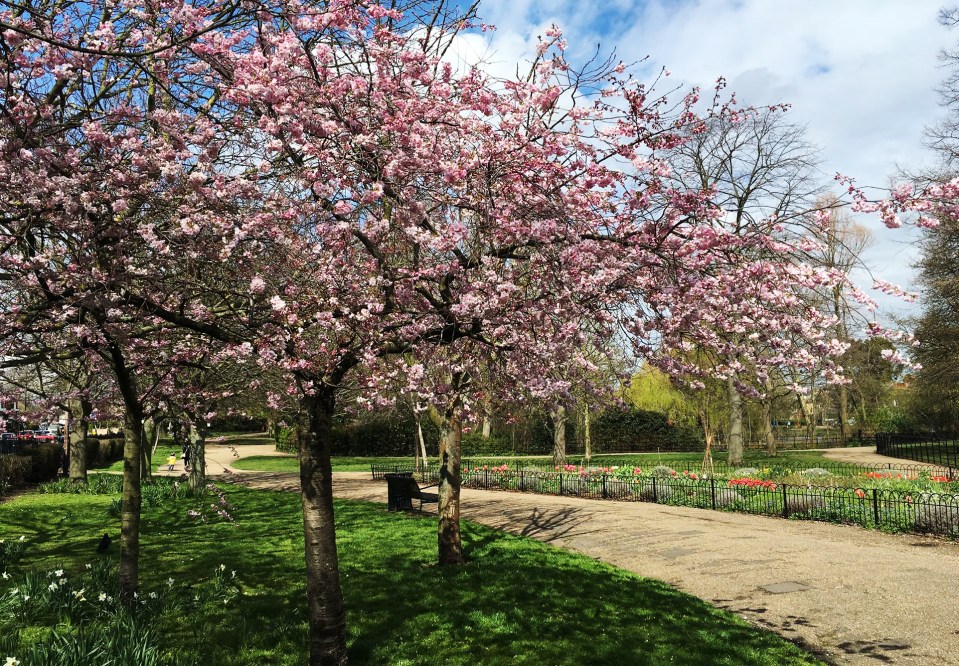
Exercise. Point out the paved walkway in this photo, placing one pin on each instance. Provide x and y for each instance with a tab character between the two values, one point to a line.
854	596
866	455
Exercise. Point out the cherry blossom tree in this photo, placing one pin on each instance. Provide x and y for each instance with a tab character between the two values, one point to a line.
318	191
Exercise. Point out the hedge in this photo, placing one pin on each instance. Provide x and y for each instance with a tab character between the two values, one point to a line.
101	452
45	459
14	470
237	424
615	430
620	430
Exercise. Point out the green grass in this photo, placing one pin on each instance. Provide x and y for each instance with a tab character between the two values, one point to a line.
287	463
517	601
358	464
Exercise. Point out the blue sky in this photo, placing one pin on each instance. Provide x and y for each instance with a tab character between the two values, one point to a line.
860	74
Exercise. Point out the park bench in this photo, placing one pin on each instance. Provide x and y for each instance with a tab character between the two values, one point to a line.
402	489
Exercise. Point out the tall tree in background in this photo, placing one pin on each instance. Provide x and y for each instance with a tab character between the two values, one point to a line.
839	244
936	384
759	167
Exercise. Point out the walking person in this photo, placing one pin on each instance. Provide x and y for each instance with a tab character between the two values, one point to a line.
186	457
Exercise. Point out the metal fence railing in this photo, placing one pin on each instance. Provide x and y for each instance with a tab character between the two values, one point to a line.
428	471
776	469
923	448
895	510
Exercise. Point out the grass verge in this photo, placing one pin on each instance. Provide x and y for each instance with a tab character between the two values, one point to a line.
347	464
517	601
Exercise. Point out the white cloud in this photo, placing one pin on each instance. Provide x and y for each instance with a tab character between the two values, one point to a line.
860	74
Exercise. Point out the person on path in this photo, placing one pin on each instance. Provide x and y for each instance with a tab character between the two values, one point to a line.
171	461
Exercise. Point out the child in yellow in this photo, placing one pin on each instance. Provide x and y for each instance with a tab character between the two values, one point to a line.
171	461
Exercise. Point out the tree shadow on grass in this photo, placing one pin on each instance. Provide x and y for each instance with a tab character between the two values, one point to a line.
517	601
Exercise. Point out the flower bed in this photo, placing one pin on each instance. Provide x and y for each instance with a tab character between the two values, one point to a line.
893	502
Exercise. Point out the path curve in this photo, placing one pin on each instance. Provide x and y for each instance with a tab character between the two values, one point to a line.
854	596
868	596
866	455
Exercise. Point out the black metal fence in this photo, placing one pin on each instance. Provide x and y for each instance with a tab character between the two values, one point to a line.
429	471
931	512
924	448
799	440
894	510
782	468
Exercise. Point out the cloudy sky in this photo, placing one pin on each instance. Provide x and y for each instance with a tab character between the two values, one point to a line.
860	74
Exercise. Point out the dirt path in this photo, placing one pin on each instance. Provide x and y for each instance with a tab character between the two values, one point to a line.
866	455
855	596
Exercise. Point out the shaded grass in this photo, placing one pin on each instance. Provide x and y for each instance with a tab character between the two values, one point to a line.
517	602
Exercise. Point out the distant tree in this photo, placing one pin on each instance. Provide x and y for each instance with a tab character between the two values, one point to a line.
937	382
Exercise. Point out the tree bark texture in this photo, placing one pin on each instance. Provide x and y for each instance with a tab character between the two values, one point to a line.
448	530
197	457
768	428
130	506
327	615
587	434
843	412
79	430
559	417
735	448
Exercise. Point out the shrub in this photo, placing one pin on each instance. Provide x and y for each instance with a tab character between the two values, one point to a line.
14	470
937	513
663	472
237	424
103	452
286	441
97	484
45	461
625	429
816	472
804	504
474	444
745	471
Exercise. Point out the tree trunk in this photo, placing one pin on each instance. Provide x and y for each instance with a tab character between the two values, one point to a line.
130	506
768	428
325	599
145	471
149	436
197	457
587	434
448	530
843	412
735	452
79	429
559	436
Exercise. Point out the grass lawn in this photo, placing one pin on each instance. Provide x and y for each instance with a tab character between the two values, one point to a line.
517	601
290	463
346	464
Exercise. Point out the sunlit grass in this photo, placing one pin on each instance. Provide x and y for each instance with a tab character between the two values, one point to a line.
517	601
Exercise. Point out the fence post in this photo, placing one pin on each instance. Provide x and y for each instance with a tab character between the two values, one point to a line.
561	483
712	484
655	497
605	494
785	503
521	480
875	505
486	479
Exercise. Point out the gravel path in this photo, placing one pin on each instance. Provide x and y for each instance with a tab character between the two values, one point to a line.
852	595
